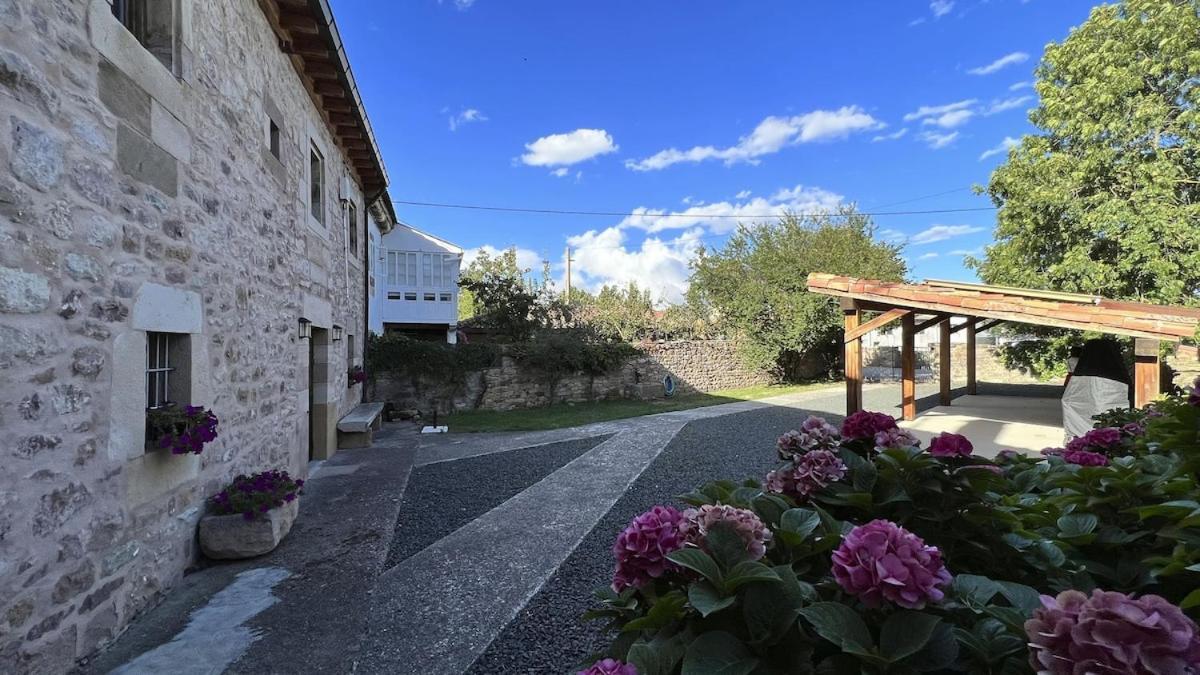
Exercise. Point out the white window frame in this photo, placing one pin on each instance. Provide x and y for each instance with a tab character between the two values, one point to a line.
321	215
158	369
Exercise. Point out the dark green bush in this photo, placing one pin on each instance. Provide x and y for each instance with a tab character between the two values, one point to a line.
399	355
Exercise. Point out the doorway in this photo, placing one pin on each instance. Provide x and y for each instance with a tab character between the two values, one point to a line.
318	378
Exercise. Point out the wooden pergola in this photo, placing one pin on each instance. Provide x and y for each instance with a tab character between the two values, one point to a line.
935	303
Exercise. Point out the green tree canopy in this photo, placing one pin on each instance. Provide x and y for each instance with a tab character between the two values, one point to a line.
499	269
1105	199
757	283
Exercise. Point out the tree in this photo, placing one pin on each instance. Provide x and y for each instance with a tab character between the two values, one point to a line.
626	313
503	266
1105	199
758	283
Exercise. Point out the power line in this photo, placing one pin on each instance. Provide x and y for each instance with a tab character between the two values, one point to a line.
702	216
923	197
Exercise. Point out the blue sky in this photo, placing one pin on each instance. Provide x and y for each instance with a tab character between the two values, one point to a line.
740	108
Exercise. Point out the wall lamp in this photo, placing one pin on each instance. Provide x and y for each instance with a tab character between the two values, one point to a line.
305	328
337	332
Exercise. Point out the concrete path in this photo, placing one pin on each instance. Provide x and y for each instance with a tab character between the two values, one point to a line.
995	423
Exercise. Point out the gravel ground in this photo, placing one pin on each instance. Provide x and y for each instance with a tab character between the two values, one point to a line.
547	636
442	497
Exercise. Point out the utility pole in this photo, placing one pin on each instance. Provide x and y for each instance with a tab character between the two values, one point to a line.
568	284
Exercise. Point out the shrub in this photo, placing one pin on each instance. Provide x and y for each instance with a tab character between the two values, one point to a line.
896	559
553	353
401	355
184	431
254	496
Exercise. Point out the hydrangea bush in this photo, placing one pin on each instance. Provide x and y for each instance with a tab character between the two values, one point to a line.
182	431
864	553
254	496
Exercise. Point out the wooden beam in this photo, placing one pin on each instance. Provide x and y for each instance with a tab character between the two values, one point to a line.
298	21
878	322
929	323
971	385
853	362
908	367
1145	371
989	325
944	364
971	321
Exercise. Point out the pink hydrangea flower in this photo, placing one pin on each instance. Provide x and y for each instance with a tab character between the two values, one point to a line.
895	438
1005	456
950	445
642	547
810	472
697	522
1105	439
882	561
1084	457
609	667
1133	429
814	434
1194	397
865	424
1111	632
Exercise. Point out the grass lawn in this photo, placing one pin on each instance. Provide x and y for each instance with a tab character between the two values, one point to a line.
570	415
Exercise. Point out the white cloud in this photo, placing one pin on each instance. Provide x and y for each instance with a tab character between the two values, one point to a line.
949	120
938	141
770	136
1000	63
890	236
800	199
941	8
461	5
998	106
890	137
927	256
1018	86
930	111
660	265
569	148
466	116
966	251
1002	148
742	195
560	172
526	259
935	233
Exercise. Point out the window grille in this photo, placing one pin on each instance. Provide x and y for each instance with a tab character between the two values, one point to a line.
158	370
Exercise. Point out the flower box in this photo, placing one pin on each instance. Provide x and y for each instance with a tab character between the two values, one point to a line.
232	537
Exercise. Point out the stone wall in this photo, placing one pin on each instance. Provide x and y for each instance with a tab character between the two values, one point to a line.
133	200
701	365
883	363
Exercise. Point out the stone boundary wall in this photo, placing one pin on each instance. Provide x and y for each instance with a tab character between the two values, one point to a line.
695	365
883	364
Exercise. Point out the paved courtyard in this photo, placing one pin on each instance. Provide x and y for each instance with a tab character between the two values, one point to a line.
458	553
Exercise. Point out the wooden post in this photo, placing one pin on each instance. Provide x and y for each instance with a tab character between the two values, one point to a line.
944	362
853	354
1145	371
908	367
972	389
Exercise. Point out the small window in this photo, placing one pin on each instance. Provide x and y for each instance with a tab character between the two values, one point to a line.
411	295
349	350
273	139
152	23
426	269
430	297
448	264
352	217
316	184
445	297
412	269
394	295
158	370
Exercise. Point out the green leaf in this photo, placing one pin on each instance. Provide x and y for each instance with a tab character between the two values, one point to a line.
749	571
1192	600
905	633
658	656
800	522
975	591
1077	525
939	653
698	561
726	545
769	610
865	476
718	653
666	608
840	625
707	599
1020	596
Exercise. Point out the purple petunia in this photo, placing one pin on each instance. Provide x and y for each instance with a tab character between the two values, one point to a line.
950	445
865	424
697	522
1111	632
814	434
609	667
642	547
882	561
807	474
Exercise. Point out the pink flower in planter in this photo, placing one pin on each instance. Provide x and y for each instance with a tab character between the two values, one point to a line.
642	547
950	445
814	434
865	424
1084	457
697	522
810	472
609	667
1111	632
895	438
1105	439
882	561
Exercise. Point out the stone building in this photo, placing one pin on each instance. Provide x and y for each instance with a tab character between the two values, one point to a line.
184	189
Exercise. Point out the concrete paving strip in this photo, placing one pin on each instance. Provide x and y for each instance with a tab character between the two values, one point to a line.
217	630
439	609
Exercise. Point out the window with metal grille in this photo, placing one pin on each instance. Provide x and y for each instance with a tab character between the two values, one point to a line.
152	23
158	370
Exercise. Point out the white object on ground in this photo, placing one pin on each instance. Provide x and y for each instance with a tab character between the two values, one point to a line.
435	430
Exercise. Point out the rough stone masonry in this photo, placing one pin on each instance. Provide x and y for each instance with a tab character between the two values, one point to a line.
138	198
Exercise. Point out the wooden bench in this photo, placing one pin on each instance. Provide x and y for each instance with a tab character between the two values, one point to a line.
357	428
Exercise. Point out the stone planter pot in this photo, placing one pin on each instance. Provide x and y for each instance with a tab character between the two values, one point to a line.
232	537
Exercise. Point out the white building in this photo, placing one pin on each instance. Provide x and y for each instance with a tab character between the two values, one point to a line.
415	284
